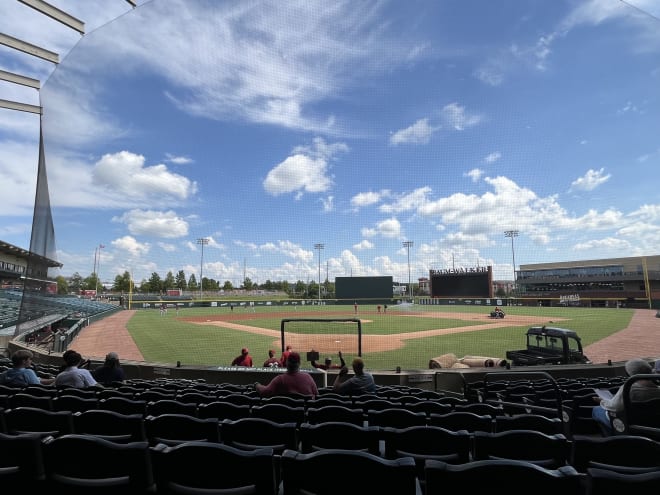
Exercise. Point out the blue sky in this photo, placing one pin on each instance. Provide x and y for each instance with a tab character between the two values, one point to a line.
269	127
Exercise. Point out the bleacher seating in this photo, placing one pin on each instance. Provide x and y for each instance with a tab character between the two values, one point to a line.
237	424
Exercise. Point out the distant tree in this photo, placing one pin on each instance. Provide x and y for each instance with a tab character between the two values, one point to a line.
122	282
192	282
144	286
180	281
169	282
500	292
91	282
62	285
75	282
248	284
227	285
155	283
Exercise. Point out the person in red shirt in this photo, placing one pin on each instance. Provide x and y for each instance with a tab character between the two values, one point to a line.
285	355
292	382
244	359
272	361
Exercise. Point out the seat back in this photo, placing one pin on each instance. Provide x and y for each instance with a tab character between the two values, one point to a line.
41	421
606	482
252	433
482	476
21	462
280	413
529	421
172	429
192	467
622	453
365	473
462	420
171	406
339	435
74	403
550	451
335	413
395	418
22	399
88	464
124	405
110	425
223	410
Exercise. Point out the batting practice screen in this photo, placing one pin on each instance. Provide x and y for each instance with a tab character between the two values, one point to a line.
471	282
363	287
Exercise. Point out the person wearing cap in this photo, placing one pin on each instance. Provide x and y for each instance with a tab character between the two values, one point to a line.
272	361
244	359
285	355
110	371
360	383
640	390
292	382
328	363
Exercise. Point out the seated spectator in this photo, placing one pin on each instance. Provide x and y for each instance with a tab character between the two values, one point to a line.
110	371
360	383
244	359
272	361
328	363
73	375
291	382
21	373
639	391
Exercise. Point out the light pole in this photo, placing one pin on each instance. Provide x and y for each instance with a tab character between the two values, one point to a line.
203	241
319	247
408	245
512	234
98	267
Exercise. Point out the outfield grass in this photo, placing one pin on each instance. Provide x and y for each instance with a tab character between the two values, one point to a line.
165	339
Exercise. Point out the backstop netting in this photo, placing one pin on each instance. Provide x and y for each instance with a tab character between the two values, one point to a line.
325	336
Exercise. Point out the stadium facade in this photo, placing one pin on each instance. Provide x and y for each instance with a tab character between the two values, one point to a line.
632	282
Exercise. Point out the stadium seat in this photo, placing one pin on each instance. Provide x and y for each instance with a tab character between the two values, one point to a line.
203	468
339	435
21	463
110	425
280	413
606	482
316	473
335	413
41	421
254	433
74	403
172	429
84	464
461	420
549	451
223	410
622	453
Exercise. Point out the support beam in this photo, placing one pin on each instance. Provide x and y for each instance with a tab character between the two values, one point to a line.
21	107
18	79
29	48
57	14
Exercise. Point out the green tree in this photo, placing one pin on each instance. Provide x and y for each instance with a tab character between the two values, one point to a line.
91	282
155	283
180	281
227	286
169	282
62	286
248	284
122	282
192	283
75	282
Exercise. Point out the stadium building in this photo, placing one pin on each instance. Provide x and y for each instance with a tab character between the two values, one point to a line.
632	282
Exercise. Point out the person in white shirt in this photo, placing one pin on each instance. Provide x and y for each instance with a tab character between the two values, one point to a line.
72	375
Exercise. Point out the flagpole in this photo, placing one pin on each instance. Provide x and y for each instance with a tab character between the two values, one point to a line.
101	246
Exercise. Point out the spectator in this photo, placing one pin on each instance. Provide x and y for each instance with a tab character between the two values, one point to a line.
244	359
110	371
285	355
360	383
291	382
272	361
74	375
656	367
639	391
328	363
21	373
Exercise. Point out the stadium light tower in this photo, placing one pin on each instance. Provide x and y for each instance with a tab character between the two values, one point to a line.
203	241
512	234
319	247
408	245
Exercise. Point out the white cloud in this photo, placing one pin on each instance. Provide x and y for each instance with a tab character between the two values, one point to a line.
328	204
363	244
590	181
455	116
306	170
124	174
164	224
369	198
131	245
178	160
493	157
418	133
474	174
407	202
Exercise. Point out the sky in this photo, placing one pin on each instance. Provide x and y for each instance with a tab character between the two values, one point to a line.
313	138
